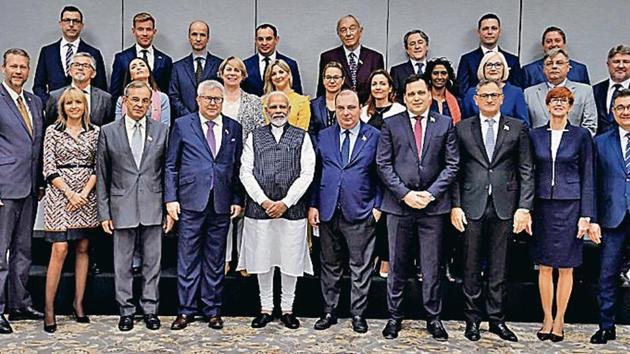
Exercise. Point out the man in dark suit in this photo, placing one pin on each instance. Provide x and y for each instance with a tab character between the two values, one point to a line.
161	64
358	61
619	70
53	65
189	71
417	159
21	129
416	44
489	31
612	163
345	206
533	73
82	71
491	197
130	174
266	41
203	192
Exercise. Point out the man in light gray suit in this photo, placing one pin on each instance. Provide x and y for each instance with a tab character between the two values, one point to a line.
130	175
21	128
82	71
556	69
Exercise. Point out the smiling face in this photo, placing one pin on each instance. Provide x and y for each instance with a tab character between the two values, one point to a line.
74	108
416	47
621	111
210	102
144	31
552	40
15	70
349	32
559	107
619	67
493	69
489	32
279	78
266	41
232	74
439	76
138	70
81	69
417	97
380	87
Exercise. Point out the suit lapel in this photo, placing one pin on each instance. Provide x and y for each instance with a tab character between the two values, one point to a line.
337	144
207	69
428	134
195	124
408	133
158	61
343	60
34	121
225	139
255	74
9	102
360	142
148	140
541	93
189	67
124	142
502	131
57	57
614	145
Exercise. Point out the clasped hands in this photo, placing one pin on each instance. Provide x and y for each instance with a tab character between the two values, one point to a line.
76	200
418	200
274	209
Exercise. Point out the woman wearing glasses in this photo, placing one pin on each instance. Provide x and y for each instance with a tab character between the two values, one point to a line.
564	199
278	78
323	107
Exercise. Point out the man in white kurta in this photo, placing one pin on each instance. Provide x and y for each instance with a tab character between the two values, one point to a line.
277	167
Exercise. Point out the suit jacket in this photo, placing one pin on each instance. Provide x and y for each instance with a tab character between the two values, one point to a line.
573	172
50	75
192	173
20	153
101	107
600	92
162	68
533	73
469	63
319	118
369	60
126	194
401	171
510	173
582	114
612	183
355	187
182	89
399	74
254	84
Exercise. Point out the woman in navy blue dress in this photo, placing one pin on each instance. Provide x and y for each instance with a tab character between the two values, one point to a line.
564	199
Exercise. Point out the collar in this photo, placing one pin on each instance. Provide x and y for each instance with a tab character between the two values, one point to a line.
130	123
218	121
414	62
14	95
356	51
278	130
485	49
624	84
622	133
139	49
496	117
74	43
202	56
562	84
413	116
271	57
87	89
353	131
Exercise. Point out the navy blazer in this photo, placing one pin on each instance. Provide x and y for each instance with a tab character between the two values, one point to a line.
469	63
613	184
401	171
191	173
399	74
50	75
369	60
319	118
254	84
355	187
182	88
533	73
162	67
574	179
604	121
20	153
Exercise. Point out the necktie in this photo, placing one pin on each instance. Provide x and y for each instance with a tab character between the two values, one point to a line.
24	113
417	133
198	70
627	154
210	138
419	67
616	87
136	144
490	139
266	60
69	54
145	55
352	62
345	148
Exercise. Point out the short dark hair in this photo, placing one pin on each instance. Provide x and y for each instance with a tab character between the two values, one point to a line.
15	51
554	29
70	8
267	25
451	84
410	80
622	93
415	31
488	16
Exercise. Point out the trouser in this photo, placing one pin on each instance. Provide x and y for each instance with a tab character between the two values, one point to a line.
265	286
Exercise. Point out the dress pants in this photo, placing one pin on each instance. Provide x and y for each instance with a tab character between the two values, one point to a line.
151	243
611	256
404	232
17	217
358	240
201	259
487	236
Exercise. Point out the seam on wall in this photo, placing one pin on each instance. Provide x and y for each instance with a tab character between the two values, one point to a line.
122	26
255	23
520	30
387	35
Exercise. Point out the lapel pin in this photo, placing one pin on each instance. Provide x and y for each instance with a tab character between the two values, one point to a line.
233	139
363	138
227	131
505	127
432	120
149	138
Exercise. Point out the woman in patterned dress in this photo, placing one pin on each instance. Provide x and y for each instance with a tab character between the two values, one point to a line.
70	201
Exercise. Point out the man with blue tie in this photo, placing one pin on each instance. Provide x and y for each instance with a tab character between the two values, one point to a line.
189	71
416	44
53	66
618	63
417	159
202	192
345	206
612	165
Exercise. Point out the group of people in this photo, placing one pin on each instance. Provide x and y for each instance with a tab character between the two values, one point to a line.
380	163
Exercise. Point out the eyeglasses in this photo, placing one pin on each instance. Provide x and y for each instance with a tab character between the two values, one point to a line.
559	100
333	78
621	108
485	96
71	21
493	65
81	65
211	99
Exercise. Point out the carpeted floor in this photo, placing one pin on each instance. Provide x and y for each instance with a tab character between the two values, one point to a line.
102	336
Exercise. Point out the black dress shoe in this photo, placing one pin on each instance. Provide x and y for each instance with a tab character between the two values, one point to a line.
502	330
472	331
543	336
437	330
359	324
26	313
215	322
126	323
5	326
182	321
290	321
392	328
325	321
261	320
602	336
152	322
556	338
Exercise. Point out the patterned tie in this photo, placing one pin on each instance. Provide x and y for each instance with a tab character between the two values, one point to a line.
490	139
345	148
419	67
417	133
611	117
24	113
210	137
69	54
198	70
266	60
627	154
136	144
352	62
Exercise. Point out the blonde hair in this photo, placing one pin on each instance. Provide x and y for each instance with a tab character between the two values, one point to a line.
235	62
71	94
269	86
481	74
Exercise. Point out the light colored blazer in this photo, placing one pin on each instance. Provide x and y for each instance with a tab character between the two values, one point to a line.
101	107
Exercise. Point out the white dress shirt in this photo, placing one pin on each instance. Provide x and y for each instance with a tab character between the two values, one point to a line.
611	89
150	54
486	50
217	130
357	53
261	63
623	141
354	133
495	127
556	137
129	126
63	50
552	86
423	124
414	64
203	60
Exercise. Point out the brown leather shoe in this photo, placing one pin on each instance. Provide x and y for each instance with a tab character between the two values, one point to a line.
182	322
215	322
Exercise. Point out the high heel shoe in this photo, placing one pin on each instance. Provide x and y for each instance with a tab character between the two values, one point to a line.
542	335
50	328
556	338
80	319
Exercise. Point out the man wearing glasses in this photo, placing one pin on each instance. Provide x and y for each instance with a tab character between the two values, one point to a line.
49	75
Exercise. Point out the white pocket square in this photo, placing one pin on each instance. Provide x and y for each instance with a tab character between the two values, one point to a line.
505	127
149	138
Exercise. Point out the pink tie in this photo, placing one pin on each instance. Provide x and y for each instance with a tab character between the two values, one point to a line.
417	133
